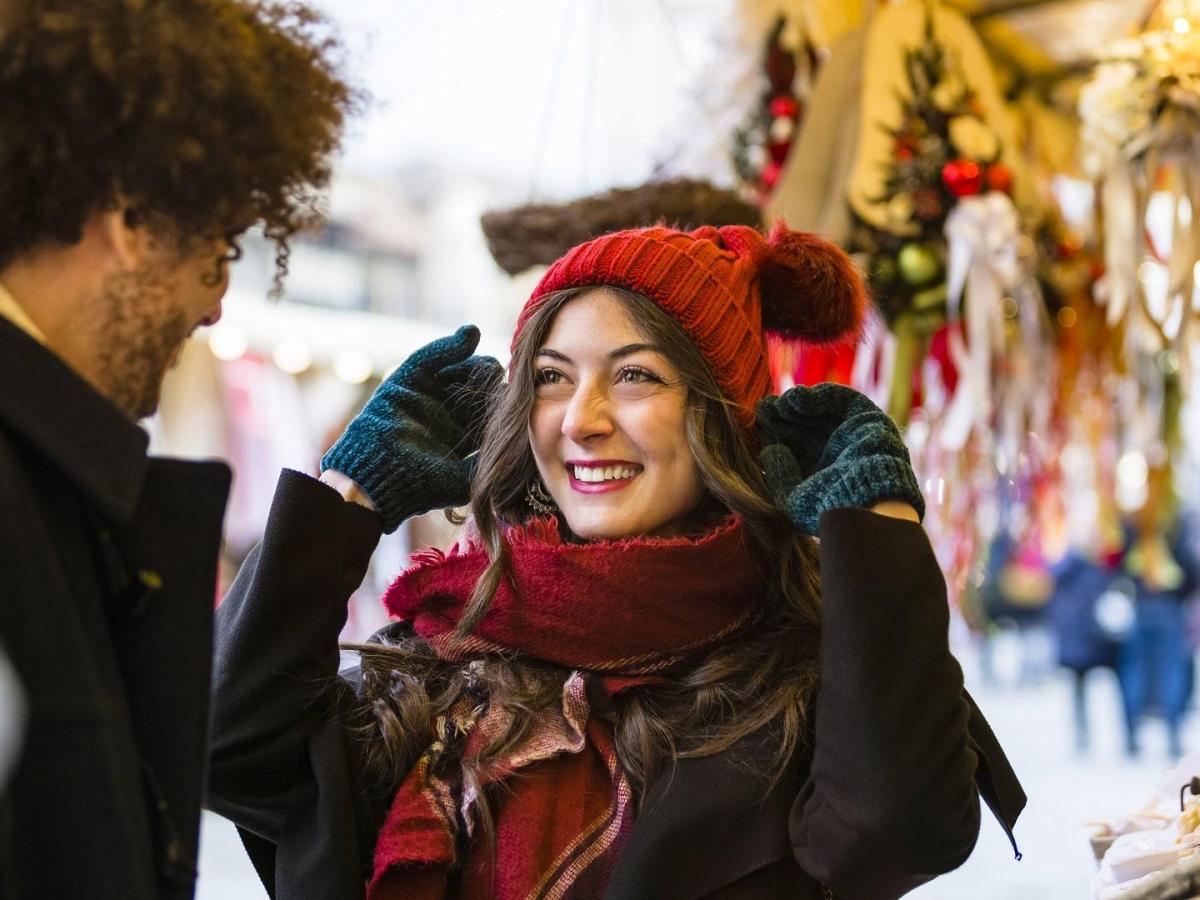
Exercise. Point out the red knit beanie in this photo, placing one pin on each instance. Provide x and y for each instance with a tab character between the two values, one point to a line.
728	288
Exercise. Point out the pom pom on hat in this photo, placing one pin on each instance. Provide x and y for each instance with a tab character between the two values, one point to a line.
810	289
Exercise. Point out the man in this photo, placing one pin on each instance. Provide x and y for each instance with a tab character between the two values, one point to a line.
139	139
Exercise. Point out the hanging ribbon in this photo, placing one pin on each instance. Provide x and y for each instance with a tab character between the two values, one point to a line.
982	239
1184	190
1123	218
874	360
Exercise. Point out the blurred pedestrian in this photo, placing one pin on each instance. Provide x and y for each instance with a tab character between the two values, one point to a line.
1154	665
1014	595
139	140
1092	615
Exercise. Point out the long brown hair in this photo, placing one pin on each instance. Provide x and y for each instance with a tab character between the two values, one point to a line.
764	677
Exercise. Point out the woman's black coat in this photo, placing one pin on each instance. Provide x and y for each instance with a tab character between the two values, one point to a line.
108	569
887	798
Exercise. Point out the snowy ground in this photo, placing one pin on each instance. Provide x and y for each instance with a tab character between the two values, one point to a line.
1034	724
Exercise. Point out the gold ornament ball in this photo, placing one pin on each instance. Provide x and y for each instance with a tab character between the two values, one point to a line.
918	264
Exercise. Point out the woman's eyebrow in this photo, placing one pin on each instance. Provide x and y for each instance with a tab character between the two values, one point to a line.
629	349
620	352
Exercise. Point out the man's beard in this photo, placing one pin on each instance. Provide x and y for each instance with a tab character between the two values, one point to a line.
138	335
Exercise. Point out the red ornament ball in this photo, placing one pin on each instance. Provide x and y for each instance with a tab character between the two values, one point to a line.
779	151
999	178
770	175
784	106
963	177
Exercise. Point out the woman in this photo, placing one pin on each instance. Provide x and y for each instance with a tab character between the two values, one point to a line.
629	679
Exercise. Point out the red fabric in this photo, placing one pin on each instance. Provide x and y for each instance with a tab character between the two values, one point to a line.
818	365
625	609
727	287
414	842
560	827
630	606
939	349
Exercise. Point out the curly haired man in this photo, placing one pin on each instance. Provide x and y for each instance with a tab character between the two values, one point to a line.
138	140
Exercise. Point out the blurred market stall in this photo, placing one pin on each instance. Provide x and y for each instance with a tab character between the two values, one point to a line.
1016	177
1020	181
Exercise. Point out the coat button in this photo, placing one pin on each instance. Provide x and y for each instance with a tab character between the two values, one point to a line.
136	598
150	579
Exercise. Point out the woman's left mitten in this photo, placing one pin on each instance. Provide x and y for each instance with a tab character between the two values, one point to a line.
862	461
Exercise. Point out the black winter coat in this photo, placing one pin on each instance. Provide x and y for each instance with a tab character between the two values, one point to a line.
886	799
108	563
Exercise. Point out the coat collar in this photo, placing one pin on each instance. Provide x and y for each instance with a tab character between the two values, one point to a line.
63	418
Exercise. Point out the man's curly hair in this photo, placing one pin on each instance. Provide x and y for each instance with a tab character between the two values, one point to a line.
203	116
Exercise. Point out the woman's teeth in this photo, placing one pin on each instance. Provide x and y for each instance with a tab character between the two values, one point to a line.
603	473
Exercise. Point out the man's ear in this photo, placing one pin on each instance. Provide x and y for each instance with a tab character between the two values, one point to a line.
120	236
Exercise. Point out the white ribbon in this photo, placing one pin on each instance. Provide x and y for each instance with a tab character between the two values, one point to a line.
1123	218
1185	244
982	235
867	373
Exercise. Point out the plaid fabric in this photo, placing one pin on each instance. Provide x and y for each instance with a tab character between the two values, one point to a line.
559	826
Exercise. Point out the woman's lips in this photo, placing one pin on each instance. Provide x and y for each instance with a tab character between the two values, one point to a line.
600	487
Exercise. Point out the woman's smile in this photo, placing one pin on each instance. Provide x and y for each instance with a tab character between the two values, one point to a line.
601	476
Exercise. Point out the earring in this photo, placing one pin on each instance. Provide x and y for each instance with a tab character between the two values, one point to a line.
538	499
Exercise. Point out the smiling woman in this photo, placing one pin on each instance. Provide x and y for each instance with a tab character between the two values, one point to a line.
639	673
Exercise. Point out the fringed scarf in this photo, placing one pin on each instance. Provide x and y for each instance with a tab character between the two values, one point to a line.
613	614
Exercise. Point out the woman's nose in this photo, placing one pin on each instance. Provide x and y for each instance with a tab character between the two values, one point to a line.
588	415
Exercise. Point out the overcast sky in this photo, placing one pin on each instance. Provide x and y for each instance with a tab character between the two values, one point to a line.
558	97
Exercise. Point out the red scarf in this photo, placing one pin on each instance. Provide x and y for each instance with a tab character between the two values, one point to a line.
611	612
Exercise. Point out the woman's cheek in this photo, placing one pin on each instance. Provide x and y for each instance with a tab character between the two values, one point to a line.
544	424
660	429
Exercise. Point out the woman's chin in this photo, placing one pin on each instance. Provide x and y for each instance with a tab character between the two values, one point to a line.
595	529
601	533
602	527
607	518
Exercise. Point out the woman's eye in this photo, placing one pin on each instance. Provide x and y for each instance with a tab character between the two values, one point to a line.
547	376
637	375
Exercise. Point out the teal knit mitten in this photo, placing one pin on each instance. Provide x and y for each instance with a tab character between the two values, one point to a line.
829	447
408	449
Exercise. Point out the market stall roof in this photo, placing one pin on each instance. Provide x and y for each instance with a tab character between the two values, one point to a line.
1045	37
1041	38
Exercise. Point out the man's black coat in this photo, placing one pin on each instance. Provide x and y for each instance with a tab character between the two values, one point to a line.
108	563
